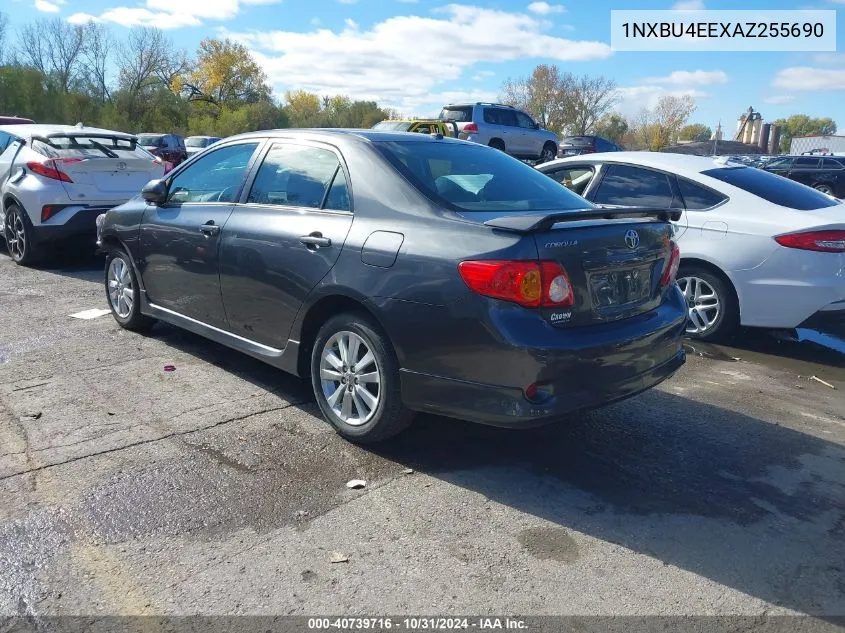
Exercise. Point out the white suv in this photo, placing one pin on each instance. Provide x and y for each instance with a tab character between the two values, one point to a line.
503	127
56	179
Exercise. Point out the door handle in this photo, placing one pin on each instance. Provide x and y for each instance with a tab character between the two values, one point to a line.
209	228
315	239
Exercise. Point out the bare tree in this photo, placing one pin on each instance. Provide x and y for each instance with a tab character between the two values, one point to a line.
95	56
586	100
4	28
55	48
659	127
144	61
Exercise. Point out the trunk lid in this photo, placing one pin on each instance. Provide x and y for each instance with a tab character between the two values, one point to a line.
614	259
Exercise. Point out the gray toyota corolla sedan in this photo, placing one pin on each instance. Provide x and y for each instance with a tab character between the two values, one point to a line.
403	273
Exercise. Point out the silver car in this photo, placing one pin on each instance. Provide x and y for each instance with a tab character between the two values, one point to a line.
503	127
194	144
56	179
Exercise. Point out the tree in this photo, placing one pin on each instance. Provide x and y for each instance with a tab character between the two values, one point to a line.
695	132
302	108
659	127
586	100
803	125
225	73
612	127
55	49
95	59
4	29
143	59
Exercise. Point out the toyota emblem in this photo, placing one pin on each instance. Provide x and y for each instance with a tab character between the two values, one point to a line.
632	239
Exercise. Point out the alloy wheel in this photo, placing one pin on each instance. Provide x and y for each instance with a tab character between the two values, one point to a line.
121	289
702	302
350	378
825	189
15	235
547	155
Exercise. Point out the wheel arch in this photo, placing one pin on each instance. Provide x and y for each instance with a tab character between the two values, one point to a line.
320	311
496	140
712	268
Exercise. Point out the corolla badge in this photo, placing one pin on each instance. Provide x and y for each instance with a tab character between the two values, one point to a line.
632	239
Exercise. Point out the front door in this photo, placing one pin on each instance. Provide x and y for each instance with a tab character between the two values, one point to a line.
180	238
283	239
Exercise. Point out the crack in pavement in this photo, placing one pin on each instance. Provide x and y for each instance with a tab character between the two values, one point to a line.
152	440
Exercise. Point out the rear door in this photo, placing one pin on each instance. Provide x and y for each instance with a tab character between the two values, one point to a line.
631	186
575	177
805	169
284	238
180	239
531	144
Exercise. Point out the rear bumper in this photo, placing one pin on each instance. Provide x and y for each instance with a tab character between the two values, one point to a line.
476	363
82	222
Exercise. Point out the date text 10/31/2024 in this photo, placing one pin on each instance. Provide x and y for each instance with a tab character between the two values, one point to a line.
416	624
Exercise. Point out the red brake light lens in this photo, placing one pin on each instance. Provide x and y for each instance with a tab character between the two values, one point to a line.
670	272
529	283
50	168
470	128
821	241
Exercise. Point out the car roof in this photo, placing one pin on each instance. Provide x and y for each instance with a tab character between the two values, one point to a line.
41	129
665	161
346	134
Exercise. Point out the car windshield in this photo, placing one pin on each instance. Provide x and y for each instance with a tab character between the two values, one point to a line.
197	141
771	187
150	140
393	126
469	177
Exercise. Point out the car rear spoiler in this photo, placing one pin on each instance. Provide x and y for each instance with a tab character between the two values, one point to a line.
534	222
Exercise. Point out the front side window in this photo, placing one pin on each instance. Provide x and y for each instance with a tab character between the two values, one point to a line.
469	177
523	120
216	177
779	163
629	186
296	176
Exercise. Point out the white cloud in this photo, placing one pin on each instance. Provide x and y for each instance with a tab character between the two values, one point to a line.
779	99
807	79
689	5
213	9
694	78
403	59
126	16
544	8
83	18
632	99
46	7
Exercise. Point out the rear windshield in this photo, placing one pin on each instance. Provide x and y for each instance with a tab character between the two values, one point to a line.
775	189
470	177
577	141
461	114
73	145
194	141
150	140
392	126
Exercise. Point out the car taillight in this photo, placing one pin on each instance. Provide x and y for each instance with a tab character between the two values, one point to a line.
470	128
822	241
51	168
670	272
531	284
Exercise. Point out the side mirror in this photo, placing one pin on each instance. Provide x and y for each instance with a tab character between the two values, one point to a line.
155	192
536	126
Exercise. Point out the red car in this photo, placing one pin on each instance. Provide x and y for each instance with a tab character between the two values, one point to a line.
14	120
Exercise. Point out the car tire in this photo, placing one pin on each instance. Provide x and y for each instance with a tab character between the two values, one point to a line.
498	144
369	409
825	189
713	312
119	278
549	153
18	233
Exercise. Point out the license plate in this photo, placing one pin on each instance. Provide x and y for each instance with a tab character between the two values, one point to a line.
620	287
572	152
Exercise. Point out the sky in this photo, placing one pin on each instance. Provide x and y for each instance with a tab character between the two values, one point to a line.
417	55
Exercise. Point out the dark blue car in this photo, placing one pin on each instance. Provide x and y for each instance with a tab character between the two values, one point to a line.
403	273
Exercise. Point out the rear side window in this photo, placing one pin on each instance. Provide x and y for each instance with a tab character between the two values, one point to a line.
469	177
697	197
832	163
634	187
295	176
151	140
771	187
461	114
804	163
578	141
217	176
575	178
393	126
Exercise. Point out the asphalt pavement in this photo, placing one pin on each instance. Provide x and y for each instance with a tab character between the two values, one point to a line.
217	489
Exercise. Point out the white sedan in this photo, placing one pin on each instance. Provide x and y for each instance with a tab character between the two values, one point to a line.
756	249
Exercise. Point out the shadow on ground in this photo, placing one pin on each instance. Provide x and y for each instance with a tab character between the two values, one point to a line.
741	501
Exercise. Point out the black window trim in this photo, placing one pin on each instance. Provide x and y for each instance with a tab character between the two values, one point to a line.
247	173
278	140
725	198
594	167
597	181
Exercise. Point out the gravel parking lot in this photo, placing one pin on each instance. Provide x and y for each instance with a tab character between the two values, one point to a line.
217	489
